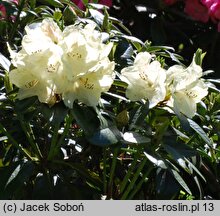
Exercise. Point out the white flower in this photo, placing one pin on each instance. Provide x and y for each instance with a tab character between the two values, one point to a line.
88	88
38	62
87	70
186	88
32	80
146	80
73	64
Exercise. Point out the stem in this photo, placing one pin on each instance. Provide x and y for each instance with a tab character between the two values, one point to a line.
137	188
112	171
136	175
104	171
30	136
48	177
18	146
54	142
128	174
66	129
83	172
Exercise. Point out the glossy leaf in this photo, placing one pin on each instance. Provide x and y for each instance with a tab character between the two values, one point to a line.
158	162
86	117
19	176
55	3
105	137
135	138
166	185
181	181
200	132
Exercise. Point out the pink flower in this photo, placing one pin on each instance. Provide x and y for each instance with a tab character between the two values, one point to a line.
80	4
196	10
213	7
208	3
2	11
170	2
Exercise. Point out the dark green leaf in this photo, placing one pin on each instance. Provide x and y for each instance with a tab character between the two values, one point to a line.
200	131
55	114
69	15
158	162
83	171
139	116
42	187
98	6
5	173
19	176
179	149
181	135
9	154
22	106
54	3
166	185
86	117
181	181
123	53
133	39
192	166
105	137
179	152
135	138
184	122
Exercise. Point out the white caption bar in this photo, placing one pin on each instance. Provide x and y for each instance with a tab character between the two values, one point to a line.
109	207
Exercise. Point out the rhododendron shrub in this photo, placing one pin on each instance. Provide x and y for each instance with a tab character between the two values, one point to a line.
89	111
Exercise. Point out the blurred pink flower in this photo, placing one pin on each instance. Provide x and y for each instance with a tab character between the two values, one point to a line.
196	10
80	4
170	2
213	8
3	13
208	3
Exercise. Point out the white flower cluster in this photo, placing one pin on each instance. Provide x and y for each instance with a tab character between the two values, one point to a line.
179	87
72	63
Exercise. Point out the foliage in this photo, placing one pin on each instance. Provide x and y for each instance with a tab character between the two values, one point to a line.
170	25
119	149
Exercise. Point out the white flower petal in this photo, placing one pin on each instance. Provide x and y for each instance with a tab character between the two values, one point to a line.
186	88
184	104
145	80
88	88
